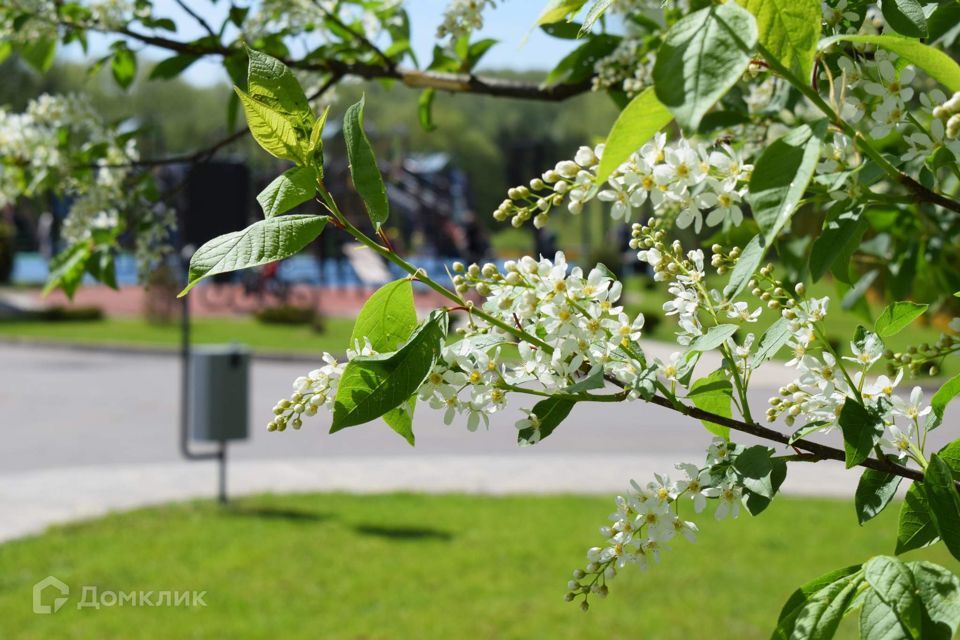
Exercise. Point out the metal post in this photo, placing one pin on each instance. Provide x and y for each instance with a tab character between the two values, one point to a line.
221	454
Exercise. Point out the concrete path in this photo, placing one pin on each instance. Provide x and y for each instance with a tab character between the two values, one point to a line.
84	433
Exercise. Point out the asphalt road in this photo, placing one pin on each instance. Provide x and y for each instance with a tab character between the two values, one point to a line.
63	408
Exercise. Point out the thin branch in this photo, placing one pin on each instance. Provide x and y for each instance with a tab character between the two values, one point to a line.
816	450
200	20
922	193
356	35
205	154
414	78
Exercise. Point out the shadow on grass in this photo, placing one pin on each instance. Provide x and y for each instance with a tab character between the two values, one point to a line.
403	533
278	513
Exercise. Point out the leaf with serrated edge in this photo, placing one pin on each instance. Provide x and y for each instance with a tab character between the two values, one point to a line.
363	166
290	189
636	124
789	29
916	528
262	242
387	318
874	492
893	583
371	386
271	129
702	56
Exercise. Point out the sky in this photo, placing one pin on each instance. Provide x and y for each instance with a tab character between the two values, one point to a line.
520	48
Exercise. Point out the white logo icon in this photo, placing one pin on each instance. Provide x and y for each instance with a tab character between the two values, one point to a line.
49	584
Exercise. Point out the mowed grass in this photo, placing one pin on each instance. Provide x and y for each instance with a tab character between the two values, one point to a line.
417	566
137	332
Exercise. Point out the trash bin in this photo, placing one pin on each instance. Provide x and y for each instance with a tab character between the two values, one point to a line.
218	395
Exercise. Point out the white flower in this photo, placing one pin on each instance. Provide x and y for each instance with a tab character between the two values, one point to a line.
868	352
889	85
725	200
728	501
912	409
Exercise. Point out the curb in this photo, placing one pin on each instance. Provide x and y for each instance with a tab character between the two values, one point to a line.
146	350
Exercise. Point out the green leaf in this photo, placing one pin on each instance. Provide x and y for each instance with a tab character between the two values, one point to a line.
550	412
755	501
290	189
878	620
172	67
747	264
271	129
701	57
755	465
893	583
807	429
262	242
363	166
789	29
387	318
372	386
713	393
38	52
896	317
636	124
557	10
67	268
598	9
906	17
943	396
838	240
874	492
939	590
944	502
772	340
937	64
271	83
124	67
950	454
579	64
780	179
861	431
425	109
916	528
401	420
820	615
799	598
713	338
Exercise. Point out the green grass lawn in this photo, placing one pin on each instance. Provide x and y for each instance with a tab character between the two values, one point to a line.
416	566
136	331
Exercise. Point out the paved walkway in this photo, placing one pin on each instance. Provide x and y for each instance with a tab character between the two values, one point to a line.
85	433
208	299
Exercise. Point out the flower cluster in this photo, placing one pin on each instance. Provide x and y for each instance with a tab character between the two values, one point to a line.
684	178
300	16
575	316
463	16
579	328
648	519
42	149
311	392
692	300
925	357
827	381
27	21
629	68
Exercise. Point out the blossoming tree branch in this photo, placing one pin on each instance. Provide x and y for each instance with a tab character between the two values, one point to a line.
792	139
